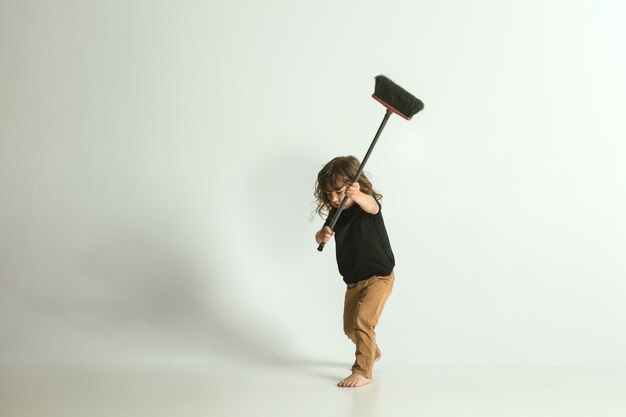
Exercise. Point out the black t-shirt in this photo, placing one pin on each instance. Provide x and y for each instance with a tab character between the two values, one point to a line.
361	244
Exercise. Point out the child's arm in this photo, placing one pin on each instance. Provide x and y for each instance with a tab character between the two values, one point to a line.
324	235
367	203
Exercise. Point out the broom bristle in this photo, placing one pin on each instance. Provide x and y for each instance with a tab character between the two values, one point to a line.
396	98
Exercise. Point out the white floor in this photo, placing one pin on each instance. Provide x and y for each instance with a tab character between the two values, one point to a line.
299	391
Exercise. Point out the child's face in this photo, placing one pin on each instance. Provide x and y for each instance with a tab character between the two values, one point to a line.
336	197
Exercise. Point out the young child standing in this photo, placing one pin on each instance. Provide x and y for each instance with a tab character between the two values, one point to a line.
364	257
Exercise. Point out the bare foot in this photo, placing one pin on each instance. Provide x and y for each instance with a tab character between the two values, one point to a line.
353	381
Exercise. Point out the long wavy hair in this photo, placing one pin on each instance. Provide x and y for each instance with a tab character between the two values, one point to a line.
334	175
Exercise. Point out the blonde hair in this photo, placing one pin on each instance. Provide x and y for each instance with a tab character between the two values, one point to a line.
336	174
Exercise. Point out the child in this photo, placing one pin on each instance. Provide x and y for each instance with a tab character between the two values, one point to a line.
364	257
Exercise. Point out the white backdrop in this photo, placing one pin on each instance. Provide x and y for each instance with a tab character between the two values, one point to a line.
157	163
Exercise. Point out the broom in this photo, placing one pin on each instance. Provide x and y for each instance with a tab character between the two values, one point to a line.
397	100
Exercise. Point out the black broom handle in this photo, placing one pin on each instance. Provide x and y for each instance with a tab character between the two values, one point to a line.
358	175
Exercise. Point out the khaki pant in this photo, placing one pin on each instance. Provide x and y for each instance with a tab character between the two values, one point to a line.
363	305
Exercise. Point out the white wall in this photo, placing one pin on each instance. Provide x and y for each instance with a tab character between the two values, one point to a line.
157	162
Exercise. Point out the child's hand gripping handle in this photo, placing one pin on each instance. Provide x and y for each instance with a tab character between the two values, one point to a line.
332	223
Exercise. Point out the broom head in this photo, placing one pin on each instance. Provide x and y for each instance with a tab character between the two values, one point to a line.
395	98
